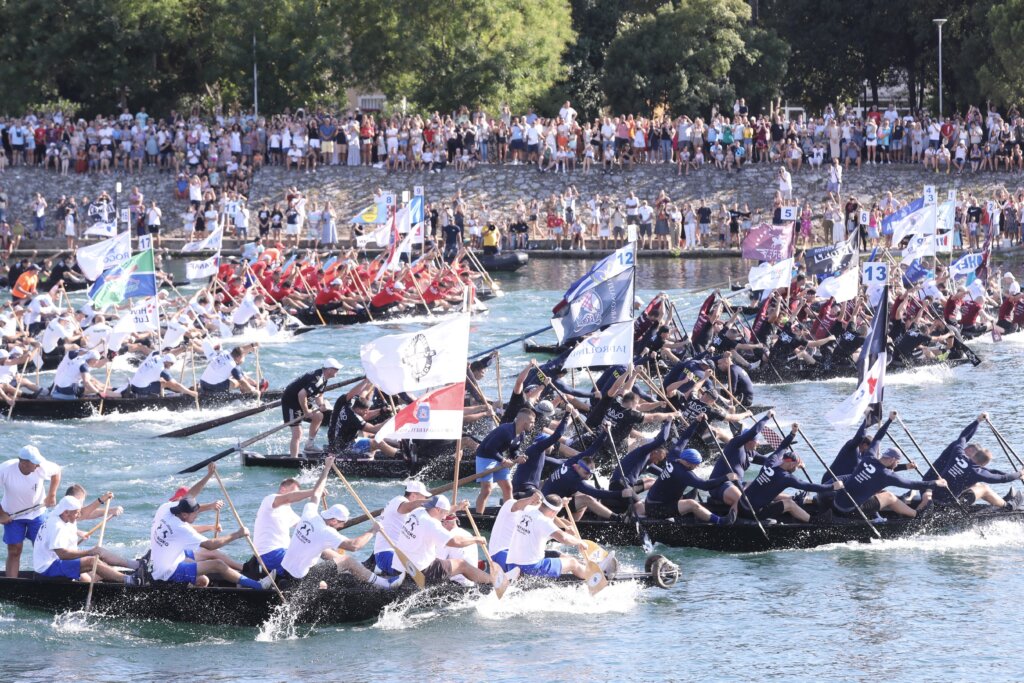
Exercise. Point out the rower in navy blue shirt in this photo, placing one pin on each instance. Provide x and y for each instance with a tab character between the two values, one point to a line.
765	497
856	448
738	455
665	499
526	478
628	470
501	446
569	481
866	486
959	449
969	477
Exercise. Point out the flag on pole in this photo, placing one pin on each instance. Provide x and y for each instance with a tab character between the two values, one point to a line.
96	258
916	218
619	262
611	346
605	303
374	214
418	360
769	276
134	278
966	265
211	242
919	246
871	370
198	270
435	415
842	287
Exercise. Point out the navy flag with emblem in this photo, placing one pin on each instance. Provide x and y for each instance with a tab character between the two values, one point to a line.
606	303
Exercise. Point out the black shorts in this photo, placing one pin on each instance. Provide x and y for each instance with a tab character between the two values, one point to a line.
645	230
655	510
435	574
774	509
289	411
870	507
153	229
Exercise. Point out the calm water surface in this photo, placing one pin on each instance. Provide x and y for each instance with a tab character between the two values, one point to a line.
927	608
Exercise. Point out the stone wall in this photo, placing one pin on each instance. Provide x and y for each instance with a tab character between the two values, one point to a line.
499	187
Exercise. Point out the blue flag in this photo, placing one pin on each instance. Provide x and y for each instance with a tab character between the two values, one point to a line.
621	261
132	278
603	304
915	273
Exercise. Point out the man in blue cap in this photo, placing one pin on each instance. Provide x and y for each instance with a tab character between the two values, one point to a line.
23	482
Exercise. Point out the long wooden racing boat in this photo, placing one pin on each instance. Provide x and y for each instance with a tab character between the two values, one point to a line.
60	409
347	600
764	374
744	536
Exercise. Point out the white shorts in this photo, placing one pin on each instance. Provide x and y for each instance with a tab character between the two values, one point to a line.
291	229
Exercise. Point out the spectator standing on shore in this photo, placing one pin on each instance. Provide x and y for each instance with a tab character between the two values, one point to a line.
38	208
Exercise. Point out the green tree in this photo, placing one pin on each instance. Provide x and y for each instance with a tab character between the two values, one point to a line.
474	52
679	57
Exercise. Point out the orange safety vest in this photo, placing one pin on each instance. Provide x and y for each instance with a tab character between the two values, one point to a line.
26	285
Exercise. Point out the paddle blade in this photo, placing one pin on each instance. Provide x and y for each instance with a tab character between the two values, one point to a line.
595	553
418	578
596	581
499	580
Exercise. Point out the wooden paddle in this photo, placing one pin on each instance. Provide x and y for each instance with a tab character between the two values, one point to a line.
455	476
410	568
17	389
595	578
96	562
242	444
106	385
248	537
498	578
195	382
248	412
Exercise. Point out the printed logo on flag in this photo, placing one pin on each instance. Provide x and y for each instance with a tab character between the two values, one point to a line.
590	310
418	357
423	413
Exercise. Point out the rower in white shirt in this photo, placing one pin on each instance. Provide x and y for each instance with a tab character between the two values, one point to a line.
152	377
505	525
532	531
56	554
72	379
313	552
422	537
29	485
467	553
275	519
391	520
223	372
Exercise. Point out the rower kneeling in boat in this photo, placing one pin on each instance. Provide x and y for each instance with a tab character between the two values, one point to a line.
968	479
422	535
72	380
313	551
505	525
737	457
526	552
274	521
55	553
866	486
152	377
764	497
174	543
650	455
392	519
223	371
295	402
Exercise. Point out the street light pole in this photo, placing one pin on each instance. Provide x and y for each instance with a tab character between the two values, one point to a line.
939	23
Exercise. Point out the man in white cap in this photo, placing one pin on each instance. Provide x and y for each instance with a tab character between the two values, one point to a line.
295	402
29	485
534	526
317	538
11	380
422	537
55	552
392	519
72	380
152	378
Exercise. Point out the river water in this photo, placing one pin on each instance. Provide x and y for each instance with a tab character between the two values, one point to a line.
927	608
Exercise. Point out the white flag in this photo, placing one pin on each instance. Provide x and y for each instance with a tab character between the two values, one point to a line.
381	237
920	245
418	360
394	262
612	346
850	412
102	229
768	276
145	316
212	242
842	287
96	258
199	270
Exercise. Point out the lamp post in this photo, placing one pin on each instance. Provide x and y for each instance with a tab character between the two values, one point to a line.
939	23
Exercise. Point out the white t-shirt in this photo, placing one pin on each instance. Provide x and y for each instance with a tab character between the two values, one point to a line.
531	534
468	553
22	491
169	538
312	536
504	526
54	534
69	372
96	334
219	368
40	305
149	371
391	521
421	539
273	525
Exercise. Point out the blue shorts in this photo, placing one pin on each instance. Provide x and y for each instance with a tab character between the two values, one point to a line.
484	464
190	554
69	569
360	445
718	493
499	559
385	562
17	530
185	572
549	568
273	559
